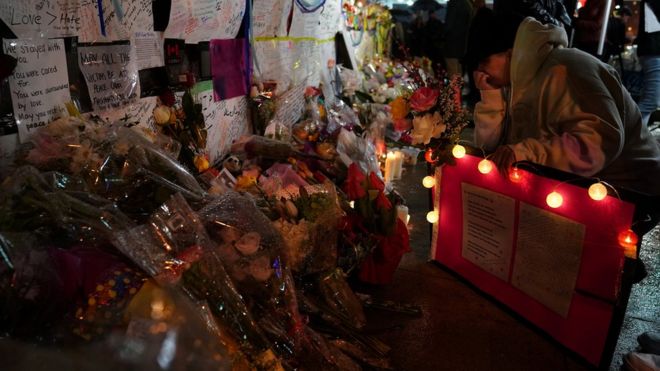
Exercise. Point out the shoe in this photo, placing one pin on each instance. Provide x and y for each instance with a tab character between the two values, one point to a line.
641	362
650	342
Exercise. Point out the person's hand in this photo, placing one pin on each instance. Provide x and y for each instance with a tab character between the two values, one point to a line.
503	157
481	81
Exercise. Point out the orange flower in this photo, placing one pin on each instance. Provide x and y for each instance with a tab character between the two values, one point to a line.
399	108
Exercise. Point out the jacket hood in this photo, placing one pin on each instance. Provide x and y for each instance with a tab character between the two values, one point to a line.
534	42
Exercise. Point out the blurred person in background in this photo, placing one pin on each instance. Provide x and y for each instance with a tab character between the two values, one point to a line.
648	50
457	25
588	26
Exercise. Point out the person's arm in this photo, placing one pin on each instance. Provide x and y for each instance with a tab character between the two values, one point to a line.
580	141
488	114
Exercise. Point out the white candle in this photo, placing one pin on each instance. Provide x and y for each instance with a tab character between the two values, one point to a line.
398	164
402	213
389	166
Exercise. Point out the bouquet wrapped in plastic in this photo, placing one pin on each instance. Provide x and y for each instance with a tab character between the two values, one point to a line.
253	253
175	249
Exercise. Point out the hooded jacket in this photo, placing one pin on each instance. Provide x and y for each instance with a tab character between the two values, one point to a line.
567	110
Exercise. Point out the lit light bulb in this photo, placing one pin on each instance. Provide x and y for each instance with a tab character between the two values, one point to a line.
432	216
554	199
628	240
352	204
597	191
515	175
428	155
458	151
428	181
485	166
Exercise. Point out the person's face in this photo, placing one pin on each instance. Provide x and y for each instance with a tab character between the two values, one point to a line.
497	67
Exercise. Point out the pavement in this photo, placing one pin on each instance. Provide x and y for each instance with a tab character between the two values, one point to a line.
460	329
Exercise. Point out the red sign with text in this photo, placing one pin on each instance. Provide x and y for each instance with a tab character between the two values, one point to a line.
559	268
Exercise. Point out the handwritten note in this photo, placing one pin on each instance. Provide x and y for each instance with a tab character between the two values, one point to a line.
488	229
39	84
329	20
139	113
269	17
202	20
111	75
291	105
548	257
120	19
226	121
274	61
304	24
148	48
53	18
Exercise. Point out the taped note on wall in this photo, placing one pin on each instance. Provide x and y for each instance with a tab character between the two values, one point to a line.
39	84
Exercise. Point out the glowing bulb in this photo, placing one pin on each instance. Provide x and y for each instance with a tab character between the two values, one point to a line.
458	151
428	181
628	240
352	204
432	216
428	156
515	175
597	191
485	166
554	199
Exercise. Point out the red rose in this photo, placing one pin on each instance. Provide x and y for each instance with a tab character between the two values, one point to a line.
167	97
354	186
382	202
423	99
402	124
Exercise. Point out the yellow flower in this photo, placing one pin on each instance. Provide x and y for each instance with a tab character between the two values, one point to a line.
399	108
162	115
201	163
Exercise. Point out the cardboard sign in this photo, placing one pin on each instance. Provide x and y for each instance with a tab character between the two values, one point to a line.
559	268
39	84
111	75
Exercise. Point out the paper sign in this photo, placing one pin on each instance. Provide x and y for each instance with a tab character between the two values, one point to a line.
547	257
53	18
304	24
230	67
225	121
291	105
111	75
488	229
329	20
203	20
274	61
120	19
269	17
148	47
39	84
139	114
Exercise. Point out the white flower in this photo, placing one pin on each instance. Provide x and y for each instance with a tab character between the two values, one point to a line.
427	127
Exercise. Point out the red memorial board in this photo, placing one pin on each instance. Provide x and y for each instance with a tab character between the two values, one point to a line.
559	268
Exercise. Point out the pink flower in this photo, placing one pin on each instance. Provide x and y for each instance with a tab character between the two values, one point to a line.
423	99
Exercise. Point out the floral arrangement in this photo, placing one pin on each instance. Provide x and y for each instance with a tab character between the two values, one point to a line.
184	122
438	119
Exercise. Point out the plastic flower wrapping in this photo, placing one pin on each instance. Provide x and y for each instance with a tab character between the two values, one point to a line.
109	245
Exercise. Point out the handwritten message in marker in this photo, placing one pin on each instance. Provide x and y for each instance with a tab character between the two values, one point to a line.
111	75
53	18
40	83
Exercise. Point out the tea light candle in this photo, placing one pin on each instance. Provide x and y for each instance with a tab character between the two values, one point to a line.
402	213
